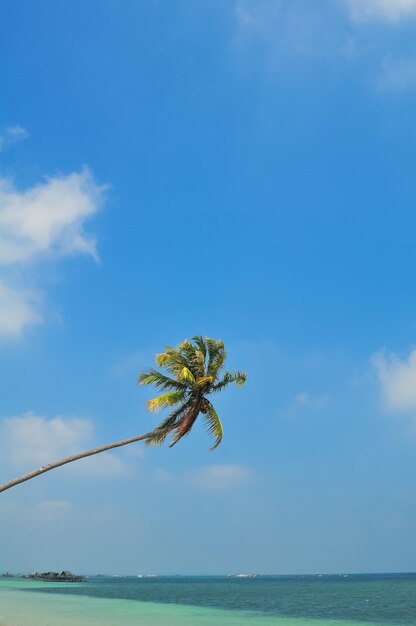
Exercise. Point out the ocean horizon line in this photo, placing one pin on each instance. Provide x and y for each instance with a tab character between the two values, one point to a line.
230	574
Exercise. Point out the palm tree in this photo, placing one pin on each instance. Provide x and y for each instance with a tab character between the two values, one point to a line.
195	370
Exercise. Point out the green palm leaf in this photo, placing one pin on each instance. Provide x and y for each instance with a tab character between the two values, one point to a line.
174	362
159	434
154	377
168	399
239	378
216	356
200	343
186	374
214	423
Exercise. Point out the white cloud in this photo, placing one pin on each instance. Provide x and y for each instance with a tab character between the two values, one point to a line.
220	477
305	403
249	14
11	135
29	440
47	218
397	379
32	439
163	476
397	75
45	221
279	30
101	466
18	309
304	398
288	36
210	477
390	10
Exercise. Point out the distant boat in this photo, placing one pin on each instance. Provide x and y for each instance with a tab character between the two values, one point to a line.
242	575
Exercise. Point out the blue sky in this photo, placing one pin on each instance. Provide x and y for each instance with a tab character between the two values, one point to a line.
241	169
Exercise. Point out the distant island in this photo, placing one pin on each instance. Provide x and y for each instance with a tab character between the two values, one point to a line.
64	577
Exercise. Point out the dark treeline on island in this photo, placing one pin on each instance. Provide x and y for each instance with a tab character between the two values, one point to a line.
63	577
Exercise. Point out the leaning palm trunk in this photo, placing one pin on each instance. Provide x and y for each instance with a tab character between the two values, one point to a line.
195	368
70	459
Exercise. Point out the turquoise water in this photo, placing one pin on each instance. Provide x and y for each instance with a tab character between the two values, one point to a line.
212	601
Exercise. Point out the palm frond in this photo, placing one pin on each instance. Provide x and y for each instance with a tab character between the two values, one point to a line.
193	357
159	434
185	355
184	426
212	348
174	361
161	359
203	380
216	356
213	423
239	378
167	399
186	348
186	375
154	377
200	343
198	364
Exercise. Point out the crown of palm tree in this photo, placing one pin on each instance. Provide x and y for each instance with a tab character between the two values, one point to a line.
193	370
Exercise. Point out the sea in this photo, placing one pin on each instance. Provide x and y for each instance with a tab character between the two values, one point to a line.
322	600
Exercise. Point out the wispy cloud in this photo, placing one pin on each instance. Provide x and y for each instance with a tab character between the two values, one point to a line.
52	511
306	403
389	10
304	398
46	221
30	440
107	464
11	135
397	75
397	68
18	309
397	378
220	477
33	439
278	29
287	37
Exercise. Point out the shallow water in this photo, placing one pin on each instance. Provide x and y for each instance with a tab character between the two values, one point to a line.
211	601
